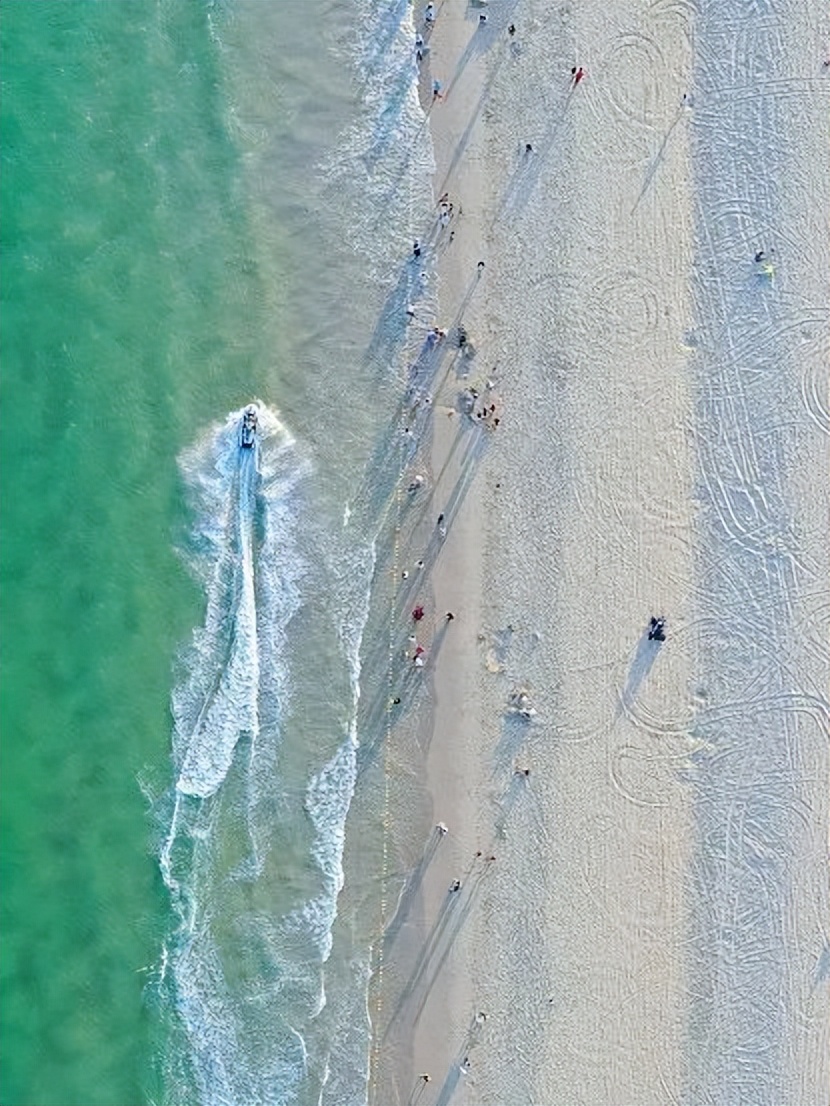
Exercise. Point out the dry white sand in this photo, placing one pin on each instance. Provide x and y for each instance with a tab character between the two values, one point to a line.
653	928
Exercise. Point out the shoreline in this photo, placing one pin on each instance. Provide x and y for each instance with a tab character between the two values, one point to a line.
428	984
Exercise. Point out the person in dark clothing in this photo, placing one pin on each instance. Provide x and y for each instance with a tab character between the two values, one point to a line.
657	629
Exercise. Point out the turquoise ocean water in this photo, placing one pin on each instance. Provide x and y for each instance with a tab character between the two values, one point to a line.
201	204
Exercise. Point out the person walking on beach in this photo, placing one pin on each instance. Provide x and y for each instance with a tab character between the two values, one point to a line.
450	616
429	14
576	75
416	248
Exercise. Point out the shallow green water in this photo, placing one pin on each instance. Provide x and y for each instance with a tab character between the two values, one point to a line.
132	312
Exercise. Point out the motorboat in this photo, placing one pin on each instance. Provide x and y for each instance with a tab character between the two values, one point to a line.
248	427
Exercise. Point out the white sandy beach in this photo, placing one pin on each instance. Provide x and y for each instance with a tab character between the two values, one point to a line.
653	926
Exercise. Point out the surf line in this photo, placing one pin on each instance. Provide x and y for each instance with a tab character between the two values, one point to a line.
173	887
384	876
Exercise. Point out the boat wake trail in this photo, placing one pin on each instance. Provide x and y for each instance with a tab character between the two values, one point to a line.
228	703
204	744
264	752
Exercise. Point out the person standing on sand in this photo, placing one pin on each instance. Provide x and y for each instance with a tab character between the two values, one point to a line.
657	629
576	75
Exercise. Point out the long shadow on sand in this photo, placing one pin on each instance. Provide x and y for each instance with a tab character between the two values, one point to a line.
450	1084
517	787
411	889
485	35
391	327
657	160
409	679
641	664
436	949
515	731
526	175
407	687
463	141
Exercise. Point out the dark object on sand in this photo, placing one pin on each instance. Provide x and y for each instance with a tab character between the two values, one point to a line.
657	629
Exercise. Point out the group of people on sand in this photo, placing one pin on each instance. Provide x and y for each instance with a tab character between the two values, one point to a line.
481	408
446	210
422	49
416	652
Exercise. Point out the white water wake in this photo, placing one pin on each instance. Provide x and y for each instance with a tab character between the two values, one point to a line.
232	709
265	754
